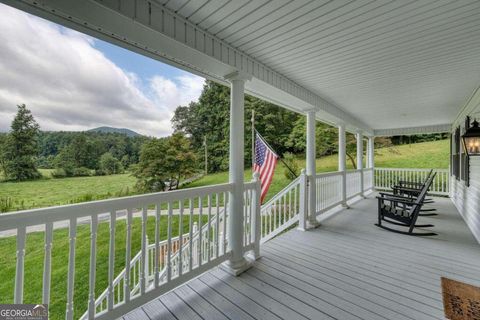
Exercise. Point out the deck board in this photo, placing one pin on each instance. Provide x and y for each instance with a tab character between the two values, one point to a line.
345	269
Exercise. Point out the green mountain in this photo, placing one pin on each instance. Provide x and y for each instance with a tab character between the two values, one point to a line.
125	131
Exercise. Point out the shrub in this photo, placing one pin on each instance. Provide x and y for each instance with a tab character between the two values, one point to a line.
81	172
109	164
292	163
59	173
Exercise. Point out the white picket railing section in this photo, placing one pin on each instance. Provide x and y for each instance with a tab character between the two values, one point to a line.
281	211
385	178
328	191
354	187
159	266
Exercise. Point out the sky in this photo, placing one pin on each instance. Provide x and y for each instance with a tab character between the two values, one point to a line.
72	82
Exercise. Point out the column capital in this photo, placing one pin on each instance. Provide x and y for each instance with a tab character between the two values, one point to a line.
238	76
310	111
341	124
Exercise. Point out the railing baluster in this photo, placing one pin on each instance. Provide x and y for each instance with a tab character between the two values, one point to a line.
209	223
111	261
217	225
93	265
71	268
169	242
225	217
20	265
128	249
200	235
47	265
190	235
156	263
180	238
143	260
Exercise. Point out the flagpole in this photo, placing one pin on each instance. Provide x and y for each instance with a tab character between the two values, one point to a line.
284	163
253	139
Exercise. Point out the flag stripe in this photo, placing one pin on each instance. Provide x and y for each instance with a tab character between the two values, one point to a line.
265	163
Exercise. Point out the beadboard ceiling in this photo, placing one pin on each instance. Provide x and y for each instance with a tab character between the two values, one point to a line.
389	63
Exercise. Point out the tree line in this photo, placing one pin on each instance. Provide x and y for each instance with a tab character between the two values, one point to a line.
161	163
158	164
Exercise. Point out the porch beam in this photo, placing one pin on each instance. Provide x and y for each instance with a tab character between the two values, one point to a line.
342	160
311	169
237	263
438	128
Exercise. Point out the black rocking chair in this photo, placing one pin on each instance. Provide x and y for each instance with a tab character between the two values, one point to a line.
403	211
412	189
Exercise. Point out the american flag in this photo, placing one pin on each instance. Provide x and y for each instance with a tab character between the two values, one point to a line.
264	164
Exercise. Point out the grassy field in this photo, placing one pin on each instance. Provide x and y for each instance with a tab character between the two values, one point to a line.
434	154
48	192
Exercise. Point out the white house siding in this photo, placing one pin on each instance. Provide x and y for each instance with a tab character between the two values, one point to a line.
467	199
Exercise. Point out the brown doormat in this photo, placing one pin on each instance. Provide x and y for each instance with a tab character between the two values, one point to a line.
461	301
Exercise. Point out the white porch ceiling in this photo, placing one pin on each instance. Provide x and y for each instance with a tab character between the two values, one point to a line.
391	64
376	65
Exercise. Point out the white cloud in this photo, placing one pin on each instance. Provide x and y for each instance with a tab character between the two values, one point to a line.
70	85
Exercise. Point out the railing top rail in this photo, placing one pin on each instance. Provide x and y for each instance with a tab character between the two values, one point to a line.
25	218
412	169
354	171
328	174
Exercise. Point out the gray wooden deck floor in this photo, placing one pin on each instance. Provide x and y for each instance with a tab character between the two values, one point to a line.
345	269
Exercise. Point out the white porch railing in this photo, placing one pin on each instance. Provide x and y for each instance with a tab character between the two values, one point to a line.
173	256
386	177
354	187
281	212
329	191
158	267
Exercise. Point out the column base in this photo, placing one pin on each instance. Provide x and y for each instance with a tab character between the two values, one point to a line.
345	206
313	224
238	267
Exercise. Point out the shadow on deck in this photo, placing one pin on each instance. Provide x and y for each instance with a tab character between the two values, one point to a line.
345	269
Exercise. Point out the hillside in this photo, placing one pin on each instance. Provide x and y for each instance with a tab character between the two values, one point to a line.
125	131
433	154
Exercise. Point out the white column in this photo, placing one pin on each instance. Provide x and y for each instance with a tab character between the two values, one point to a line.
342	161
237	263
371	152
360	159
311	168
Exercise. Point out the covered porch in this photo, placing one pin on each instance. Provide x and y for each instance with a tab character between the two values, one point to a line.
302	254
345	269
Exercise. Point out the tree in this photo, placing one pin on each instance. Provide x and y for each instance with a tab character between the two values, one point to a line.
164	162
3	159
21	148
209	119
109	164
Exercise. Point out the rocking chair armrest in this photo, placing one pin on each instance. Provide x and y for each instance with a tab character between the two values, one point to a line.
393	199
406	188
412	183
391	195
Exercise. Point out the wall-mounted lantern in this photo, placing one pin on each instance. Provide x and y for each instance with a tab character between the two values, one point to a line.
471	139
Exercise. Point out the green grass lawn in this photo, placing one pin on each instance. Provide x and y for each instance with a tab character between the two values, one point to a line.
49	192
